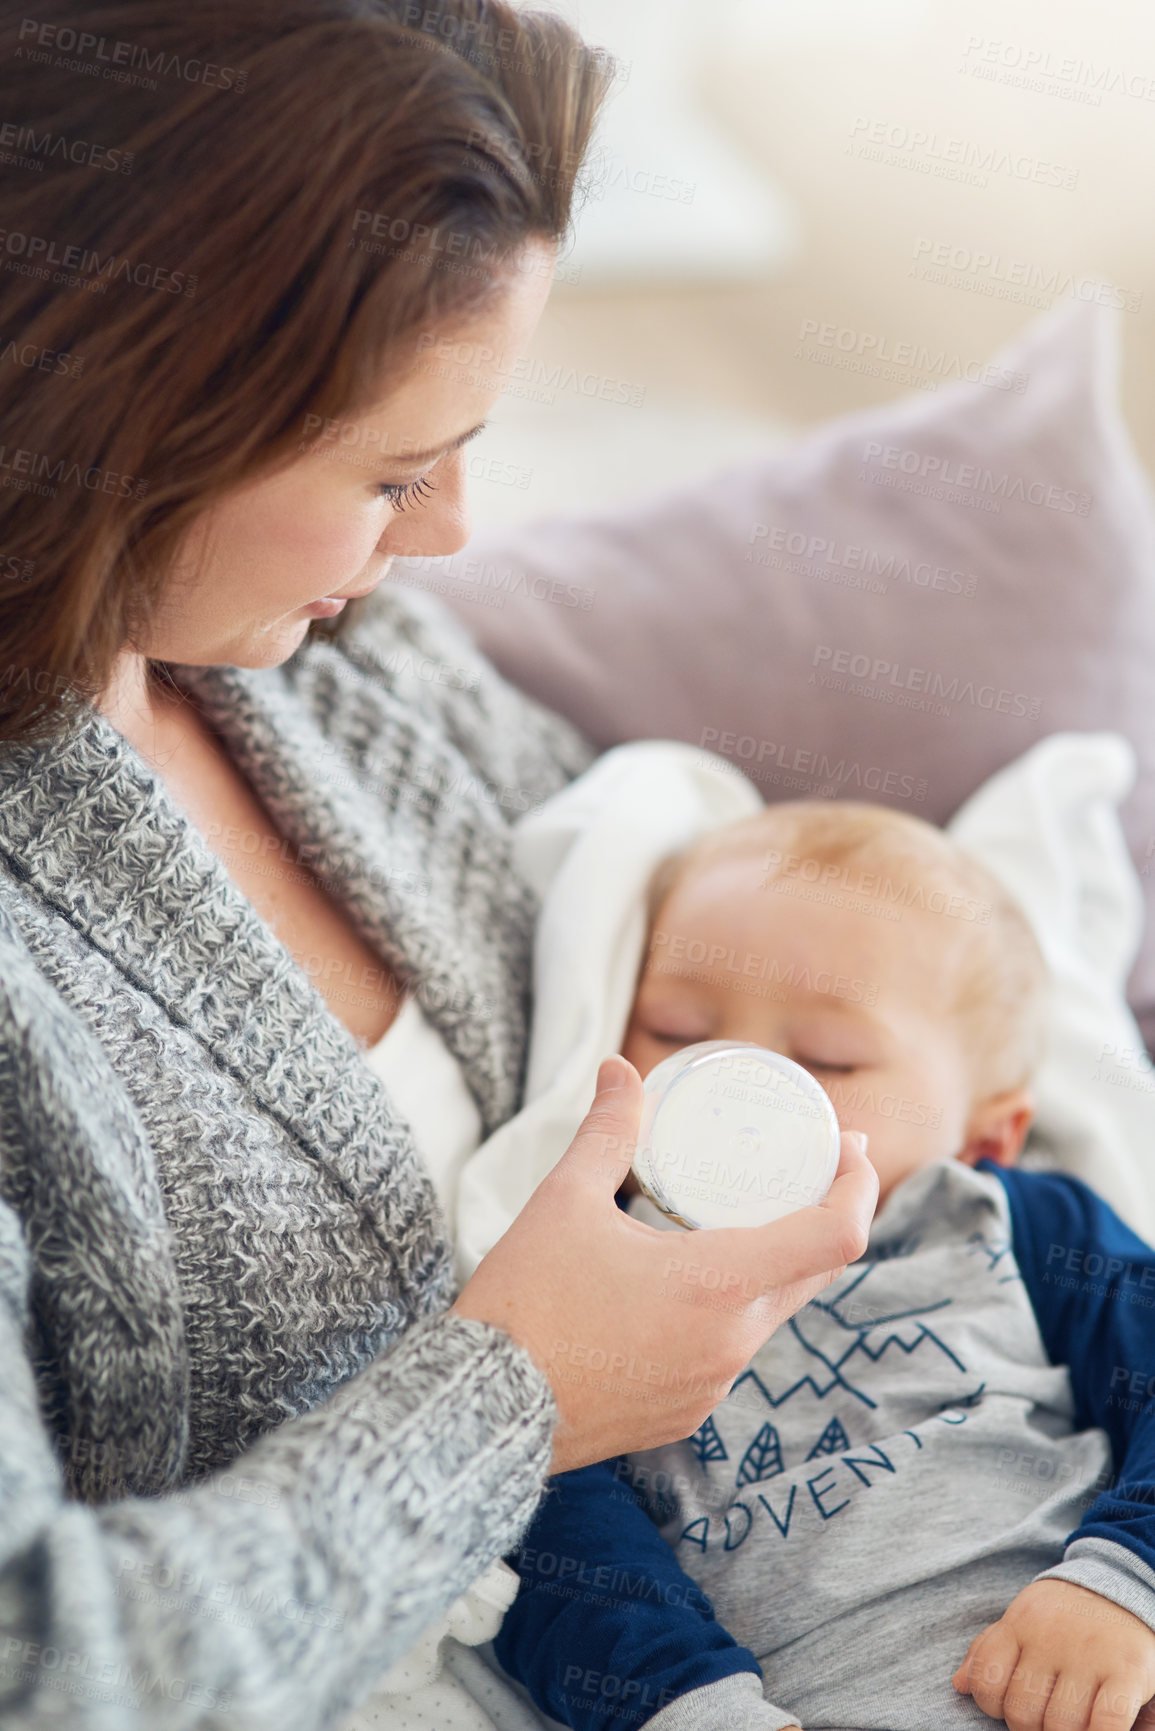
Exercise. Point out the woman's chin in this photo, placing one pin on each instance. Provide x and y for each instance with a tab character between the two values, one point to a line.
269	645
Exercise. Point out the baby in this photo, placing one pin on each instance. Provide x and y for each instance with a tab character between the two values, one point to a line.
931	1496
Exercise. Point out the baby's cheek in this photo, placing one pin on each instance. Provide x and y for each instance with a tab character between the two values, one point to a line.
905	1131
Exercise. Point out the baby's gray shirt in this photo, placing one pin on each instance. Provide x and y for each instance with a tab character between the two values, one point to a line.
894	1466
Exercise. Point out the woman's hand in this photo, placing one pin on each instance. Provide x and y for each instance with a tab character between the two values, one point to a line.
642	1332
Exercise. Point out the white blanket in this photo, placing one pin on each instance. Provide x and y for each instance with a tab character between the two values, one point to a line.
1047	827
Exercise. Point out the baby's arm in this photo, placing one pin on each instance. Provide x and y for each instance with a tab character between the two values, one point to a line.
1091	1281
608	1633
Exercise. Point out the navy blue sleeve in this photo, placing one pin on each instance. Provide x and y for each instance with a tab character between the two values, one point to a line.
1091	1281
606	1629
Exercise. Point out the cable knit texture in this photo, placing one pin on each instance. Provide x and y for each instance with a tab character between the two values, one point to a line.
246	1456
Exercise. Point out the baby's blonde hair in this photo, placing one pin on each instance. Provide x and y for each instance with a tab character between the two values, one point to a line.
998	989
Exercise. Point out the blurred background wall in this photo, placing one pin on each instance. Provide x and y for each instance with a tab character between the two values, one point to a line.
770	172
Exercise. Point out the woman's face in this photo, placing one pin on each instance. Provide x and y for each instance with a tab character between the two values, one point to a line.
257	562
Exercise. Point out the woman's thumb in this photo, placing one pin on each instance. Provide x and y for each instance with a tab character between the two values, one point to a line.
606	1137
613	1072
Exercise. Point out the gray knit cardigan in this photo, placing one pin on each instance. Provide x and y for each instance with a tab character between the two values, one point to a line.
244	1455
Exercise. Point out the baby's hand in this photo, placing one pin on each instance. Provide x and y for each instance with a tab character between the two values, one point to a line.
1062	1659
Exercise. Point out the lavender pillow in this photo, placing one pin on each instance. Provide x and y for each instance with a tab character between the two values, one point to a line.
894	608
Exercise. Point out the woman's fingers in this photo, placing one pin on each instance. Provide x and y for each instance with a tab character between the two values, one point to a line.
640	1332
853	1196
808	1243
603	1147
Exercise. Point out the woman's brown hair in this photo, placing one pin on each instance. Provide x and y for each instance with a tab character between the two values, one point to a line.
222	216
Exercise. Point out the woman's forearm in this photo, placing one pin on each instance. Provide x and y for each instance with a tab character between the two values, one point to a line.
280	1589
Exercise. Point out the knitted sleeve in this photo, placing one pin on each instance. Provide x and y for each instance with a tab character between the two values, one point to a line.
278	1590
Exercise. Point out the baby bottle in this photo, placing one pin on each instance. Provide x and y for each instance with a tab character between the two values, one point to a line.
733	1134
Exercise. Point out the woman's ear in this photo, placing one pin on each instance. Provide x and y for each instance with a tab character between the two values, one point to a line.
997	1128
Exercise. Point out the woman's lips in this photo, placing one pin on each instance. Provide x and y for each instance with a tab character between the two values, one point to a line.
330	605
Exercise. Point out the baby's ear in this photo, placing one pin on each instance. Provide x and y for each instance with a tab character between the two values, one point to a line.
997	1128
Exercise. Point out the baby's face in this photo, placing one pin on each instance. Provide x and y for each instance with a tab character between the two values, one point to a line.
854	997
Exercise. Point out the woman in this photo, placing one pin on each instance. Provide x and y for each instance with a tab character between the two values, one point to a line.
273	261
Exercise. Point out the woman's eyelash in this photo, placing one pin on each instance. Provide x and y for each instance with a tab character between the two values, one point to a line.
407	494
